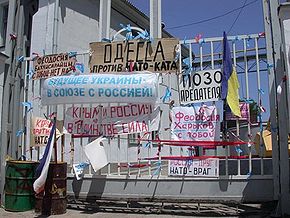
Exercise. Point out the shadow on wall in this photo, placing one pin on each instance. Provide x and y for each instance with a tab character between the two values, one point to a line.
95	188
87	8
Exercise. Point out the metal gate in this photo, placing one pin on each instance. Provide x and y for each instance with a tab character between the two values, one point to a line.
129	175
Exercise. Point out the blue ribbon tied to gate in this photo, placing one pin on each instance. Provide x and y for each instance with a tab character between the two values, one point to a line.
147	145
187	69
27	104
238	149
144	35
80	67
72	54
19	132
129	35
167	95
157	171
30	73
82	165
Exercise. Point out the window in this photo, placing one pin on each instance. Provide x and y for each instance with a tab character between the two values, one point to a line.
3	23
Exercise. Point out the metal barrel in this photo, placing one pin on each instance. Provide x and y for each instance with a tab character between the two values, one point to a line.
53	200
19	178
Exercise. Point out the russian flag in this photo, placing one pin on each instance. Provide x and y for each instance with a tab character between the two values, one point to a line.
42	169
230	82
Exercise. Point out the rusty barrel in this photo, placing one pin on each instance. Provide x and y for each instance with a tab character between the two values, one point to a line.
19	178
53	199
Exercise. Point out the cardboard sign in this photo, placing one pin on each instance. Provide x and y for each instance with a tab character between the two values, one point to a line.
100	88
40	130
245	112
156	56
195	123
201	86
114	120
52	65
194	168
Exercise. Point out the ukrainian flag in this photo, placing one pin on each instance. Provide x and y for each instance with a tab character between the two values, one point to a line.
230	82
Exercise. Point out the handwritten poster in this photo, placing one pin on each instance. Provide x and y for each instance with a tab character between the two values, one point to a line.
156	56
40	130
200	86
194	168
100	88
195	123
114	120
52	65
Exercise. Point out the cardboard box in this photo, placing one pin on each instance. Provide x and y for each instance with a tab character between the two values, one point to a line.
267	149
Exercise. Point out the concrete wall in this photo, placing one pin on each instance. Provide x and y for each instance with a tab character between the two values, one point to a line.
172	189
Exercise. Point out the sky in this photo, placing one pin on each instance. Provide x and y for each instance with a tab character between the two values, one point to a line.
208	17
185	19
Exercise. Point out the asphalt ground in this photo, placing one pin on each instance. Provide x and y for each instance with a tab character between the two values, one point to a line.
153	210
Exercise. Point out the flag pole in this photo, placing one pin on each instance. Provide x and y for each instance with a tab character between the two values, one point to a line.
55	142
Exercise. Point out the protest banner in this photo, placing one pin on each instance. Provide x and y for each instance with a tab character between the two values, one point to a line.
194	168
100	88
114	120
245	112
53	65
40	130
195	123
200	86
156	56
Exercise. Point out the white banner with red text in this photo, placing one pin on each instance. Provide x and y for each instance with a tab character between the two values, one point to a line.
111	121
198	123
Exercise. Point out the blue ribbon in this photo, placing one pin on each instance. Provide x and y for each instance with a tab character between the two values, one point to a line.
27	104
273	128
129	35
261	91
106	40
30	73
144	35
20	59
270	65
72	54
82	165
201	41
80	67
188	68
249	174
248	101
238	149
186	61
19	132
147	145
237	38
248	41
177	55
184	41
167	95
157	171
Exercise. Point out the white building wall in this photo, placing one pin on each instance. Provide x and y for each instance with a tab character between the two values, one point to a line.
77	27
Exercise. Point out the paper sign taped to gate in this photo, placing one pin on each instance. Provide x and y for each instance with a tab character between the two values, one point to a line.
195	123
200	86
40	131
194	168
53	65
